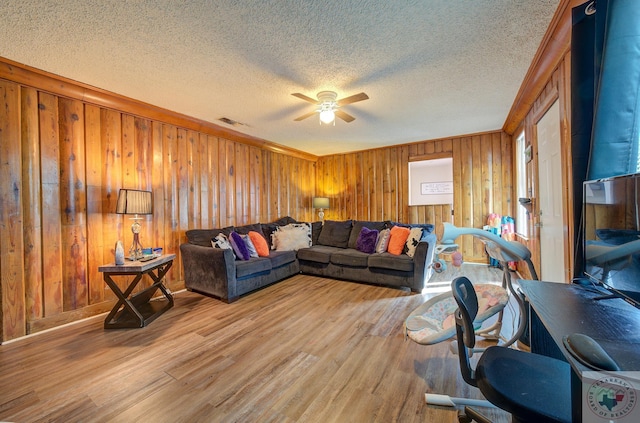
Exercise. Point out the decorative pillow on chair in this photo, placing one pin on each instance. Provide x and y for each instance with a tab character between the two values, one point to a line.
415	235
383	241
239	246
291	237
249	244
398	239
221	241
367	240
260	243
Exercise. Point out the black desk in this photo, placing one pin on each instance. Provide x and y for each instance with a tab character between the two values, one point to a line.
137	311
557	310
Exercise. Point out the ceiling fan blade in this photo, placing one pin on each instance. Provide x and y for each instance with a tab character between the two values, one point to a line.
344	116
352	99
305	116
305	98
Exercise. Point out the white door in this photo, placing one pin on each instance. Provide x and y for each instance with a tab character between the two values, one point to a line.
552	239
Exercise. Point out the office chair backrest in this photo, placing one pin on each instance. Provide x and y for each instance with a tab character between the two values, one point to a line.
467	301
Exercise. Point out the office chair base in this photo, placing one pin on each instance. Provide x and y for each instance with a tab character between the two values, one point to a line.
469	415
447	401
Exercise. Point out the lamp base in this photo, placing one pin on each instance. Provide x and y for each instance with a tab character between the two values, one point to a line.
135	252
321	214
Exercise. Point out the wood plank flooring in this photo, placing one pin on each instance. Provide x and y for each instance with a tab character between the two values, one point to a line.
306	349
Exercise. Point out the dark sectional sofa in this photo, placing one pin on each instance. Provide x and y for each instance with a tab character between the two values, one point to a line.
216	272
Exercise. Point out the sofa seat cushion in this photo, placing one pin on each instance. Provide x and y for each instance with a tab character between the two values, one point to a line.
350	257
252	266
401	262
317	253
280	258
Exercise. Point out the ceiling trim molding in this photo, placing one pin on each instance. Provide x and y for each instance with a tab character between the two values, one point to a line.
554	46
64	87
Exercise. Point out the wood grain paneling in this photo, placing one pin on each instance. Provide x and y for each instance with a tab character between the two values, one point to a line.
11	223
62	163
373	185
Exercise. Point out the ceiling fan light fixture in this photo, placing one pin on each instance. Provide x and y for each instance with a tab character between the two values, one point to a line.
327	116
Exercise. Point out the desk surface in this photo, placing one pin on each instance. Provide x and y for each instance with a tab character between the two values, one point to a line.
565	309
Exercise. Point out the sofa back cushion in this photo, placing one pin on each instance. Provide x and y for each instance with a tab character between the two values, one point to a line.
427	227
357	228
203	237
335	233
245	229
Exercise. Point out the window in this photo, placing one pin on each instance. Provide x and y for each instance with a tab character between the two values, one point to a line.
523	155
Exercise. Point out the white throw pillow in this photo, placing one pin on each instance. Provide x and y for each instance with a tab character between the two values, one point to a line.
291	237
252	248
221	241
383	240
415	234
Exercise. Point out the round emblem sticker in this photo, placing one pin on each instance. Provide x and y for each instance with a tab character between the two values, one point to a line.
611	397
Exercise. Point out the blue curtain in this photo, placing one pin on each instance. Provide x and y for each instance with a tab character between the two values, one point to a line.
616	125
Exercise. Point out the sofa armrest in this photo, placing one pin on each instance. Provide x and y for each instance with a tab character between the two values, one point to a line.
210	271
422	262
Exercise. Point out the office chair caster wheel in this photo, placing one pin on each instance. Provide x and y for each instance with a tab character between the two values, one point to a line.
463	418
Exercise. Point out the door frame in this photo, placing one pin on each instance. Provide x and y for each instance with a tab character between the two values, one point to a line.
543	106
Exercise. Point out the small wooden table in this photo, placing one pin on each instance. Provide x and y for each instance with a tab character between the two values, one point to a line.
137	311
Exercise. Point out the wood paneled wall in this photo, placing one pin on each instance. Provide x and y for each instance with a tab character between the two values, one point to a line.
62	162
373	184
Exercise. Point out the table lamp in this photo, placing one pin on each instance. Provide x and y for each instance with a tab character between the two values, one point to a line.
136	202
321	203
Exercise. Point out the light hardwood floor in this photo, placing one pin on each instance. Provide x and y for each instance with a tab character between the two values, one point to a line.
306	349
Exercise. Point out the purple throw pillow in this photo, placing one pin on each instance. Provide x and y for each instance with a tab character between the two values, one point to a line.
238	245
367	240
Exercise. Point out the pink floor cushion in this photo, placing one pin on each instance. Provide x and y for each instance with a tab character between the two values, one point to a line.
433	321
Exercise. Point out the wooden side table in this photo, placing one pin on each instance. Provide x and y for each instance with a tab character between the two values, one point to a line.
137	311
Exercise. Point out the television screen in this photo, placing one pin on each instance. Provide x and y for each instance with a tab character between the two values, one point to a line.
612	235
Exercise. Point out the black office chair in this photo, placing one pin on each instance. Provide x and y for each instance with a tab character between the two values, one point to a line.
532	387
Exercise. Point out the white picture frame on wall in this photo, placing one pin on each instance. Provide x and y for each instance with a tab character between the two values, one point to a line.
431	182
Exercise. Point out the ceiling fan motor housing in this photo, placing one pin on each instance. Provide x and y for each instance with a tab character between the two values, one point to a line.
327	100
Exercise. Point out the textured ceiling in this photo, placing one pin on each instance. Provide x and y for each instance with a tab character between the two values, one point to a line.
431	68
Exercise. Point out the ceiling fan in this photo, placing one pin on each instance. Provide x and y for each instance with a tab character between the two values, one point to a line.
328	106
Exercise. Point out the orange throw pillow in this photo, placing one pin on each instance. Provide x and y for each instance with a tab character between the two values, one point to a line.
260	243
398	239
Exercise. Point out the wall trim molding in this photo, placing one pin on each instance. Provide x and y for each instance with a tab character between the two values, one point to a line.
555	44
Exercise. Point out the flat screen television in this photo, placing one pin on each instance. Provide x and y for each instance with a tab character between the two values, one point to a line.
612	235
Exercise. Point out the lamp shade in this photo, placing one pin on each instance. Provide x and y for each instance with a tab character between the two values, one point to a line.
320	202
133	201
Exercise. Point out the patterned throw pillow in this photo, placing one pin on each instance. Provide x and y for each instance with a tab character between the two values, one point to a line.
367	240
415	235
239	246
221	241
260	243
249	244
383	241
398	239
291	237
